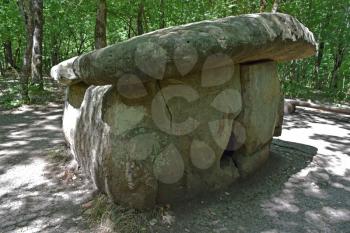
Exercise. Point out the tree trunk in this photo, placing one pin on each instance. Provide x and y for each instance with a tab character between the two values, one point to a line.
318	64
129	27
101	25
37	62
17	56
162	23
275	6
262	5
8	54
27	14
289	106
338	60
140	13
1	69
145	23
323	26
55	51
80	43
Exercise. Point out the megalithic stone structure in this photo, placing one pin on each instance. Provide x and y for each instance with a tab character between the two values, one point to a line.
179	111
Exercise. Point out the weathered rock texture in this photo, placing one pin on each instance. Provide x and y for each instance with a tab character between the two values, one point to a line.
172	113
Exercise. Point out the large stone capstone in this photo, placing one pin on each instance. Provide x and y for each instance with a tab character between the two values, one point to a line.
179	111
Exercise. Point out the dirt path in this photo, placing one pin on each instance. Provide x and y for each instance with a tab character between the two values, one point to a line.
33	198
301	189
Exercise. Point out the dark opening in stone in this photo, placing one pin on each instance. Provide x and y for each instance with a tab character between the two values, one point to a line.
227	156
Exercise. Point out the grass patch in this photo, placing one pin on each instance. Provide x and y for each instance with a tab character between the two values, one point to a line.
58	154
109	217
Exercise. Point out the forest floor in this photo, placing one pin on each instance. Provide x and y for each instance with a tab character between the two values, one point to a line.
35	196
304	186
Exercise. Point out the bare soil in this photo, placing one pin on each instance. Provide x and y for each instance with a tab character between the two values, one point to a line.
303	187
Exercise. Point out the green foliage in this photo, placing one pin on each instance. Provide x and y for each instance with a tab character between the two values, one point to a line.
9	93
69	31
58	155
330	23
101	208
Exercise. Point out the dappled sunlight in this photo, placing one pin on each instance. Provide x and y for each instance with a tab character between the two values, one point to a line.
277	205
33	196
316	193
15	143
329	133
313	190
7	153
303	187
30	175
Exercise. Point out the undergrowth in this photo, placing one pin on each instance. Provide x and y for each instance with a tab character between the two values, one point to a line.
301	90
58	154
10	92
110	217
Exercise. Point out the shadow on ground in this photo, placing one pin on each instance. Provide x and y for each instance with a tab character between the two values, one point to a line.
303	187
304	118
33	196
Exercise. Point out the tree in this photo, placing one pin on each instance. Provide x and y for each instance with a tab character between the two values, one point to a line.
162	23
26	9
8	54
140	15
101	25
263	4
76	27
37	64
275	6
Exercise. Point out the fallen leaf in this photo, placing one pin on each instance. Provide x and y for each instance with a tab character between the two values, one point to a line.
153	222
168	219
87	205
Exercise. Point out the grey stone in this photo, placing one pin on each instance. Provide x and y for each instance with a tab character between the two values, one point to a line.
261	98
172	113
244	38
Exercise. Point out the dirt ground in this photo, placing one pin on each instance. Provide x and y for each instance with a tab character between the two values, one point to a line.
34	196
304	186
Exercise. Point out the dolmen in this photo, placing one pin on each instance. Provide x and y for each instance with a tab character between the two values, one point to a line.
180	111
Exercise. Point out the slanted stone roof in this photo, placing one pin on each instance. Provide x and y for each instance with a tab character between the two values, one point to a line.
176	50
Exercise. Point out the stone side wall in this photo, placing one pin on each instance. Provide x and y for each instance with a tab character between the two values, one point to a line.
167	140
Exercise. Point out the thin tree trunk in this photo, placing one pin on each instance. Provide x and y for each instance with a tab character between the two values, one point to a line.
129	27
338	60
262	5
1	69
8	54
101	25
27	14
290	105
318	63
37	53
140	13
162	14
275	6
323	25
55	52
17	56
80	43
145	22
